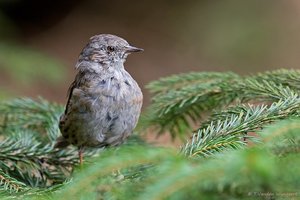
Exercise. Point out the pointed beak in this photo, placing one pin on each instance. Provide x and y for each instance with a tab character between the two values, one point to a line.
131	49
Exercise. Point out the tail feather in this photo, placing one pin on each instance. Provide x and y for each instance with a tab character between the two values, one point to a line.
61	142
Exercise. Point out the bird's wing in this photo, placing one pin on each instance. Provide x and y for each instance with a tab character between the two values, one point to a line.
79	80
70	91
61	142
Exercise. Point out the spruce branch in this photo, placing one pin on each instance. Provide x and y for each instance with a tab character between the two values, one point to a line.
261	92
167	175
234	123
34	192
181	100
10	184
231	175
283	138
24	113
285	77
180	81
35	164
110	161
30	167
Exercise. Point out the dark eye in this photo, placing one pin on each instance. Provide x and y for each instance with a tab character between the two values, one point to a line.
110	48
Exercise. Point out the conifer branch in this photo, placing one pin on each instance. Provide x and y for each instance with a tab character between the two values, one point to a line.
182	98
180	81
233	124
285	77
232	174
24	113
10	184
31	168
35	164
283	138
175	108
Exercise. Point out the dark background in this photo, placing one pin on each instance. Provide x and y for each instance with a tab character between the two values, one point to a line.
40	40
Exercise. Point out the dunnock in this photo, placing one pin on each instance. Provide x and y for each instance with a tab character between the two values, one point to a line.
104	101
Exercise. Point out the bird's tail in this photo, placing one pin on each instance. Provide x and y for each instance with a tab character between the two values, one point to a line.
61	142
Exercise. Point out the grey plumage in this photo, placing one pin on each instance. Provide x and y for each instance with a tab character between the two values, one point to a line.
104	101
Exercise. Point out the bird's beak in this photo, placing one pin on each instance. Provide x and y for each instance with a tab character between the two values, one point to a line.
131	49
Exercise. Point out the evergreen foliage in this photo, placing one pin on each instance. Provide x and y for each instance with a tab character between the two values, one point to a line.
220	161
174	107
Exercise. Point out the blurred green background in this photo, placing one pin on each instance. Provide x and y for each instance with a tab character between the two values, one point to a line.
40	40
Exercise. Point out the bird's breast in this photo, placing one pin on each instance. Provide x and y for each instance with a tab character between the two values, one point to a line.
117	87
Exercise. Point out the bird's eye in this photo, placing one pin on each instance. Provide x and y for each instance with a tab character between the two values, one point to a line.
110	48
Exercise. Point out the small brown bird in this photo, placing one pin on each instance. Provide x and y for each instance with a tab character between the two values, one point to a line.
104	101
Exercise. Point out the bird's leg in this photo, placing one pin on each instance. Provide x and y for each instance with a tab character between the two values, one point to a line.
245	137
80	154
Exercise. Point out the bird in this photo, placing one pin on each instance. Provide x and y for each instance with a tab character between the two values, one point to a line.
104	101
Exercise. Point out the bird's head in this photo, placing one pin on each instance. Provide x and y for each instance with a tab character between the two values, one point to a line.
107	50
